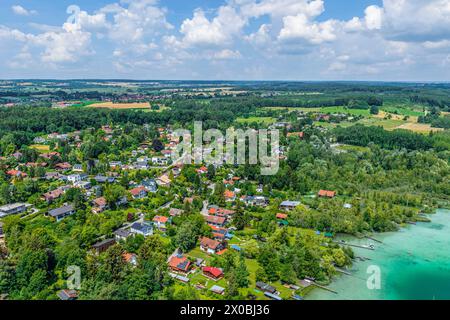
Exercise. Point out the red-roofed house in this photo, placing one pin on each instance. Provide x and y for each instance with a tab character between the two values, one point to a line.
210	246
160	222
326	194
138	192
16	173
282	216
52	195
202	170
179	263
213	273
229	195
220	212
63	166
130	258
215	221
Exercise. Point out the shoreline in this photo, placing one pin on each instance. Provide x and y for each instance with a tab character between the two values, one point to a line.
314	293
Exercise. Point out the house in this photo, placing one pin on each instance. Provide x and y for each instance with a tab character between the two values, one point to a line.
122	234
150	185
326	194
67	295
282	219
77	168
163	181
174	212
210	246
217	290
281	216
179	263
17	155
138	192
52	195
220	212
130	258
104	179
64	166
202	170
160	222
160	161
16	174
51	155
77	177
141	165
289	205
215	221
258	201
100	205
13	208
104	245
145	229
115	164
213	273
52	175
265	287
220	234
83	185
61	213
229	195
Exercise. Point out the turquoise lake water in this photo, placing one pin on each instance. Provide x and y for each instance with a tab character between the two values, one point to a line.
414	264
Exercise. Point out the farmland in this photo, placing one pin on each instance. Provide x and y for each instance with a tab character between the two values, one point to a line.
112	105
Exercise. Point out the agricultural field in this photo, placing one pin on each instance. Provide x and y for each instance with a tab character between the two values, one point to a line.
112	105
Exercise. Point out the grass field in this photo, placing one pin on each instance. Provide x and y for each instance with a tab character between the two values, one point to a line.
40	147
112	105
264	120
419	127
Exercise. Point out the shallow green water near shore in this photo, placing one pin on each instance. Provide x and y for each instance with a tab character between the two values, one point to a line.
414	264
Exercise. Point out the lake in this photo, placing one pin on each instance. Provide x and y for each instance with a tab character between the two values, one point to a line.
414	264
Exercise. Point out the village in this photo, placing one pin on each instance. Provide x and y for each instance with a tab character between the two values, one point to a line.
151	177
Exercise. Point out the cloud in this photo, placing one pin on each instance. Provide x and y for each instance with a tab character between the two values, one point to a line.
219	31
227	54
21	11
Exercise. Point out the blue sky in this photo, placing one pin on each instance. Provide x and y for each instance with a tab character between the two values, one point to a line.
233	39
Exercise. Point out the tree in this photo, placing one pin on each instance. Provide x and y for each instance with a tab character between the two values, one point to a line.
239	218
113	193
157	145
242	273
374	109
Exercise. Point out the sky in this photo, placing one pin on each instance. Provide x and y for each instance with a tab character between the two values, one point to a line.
376	40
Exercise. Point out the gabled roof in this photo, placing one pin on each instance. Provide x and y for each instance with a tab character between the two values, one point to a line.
327	193
61	211
209	243
228	194
290	203
179	262
137	191
216	272
282	216
100	202
160	219
215	220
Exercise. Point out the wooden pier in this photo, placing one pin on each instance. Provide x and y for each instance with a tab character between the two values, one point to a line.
355	245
